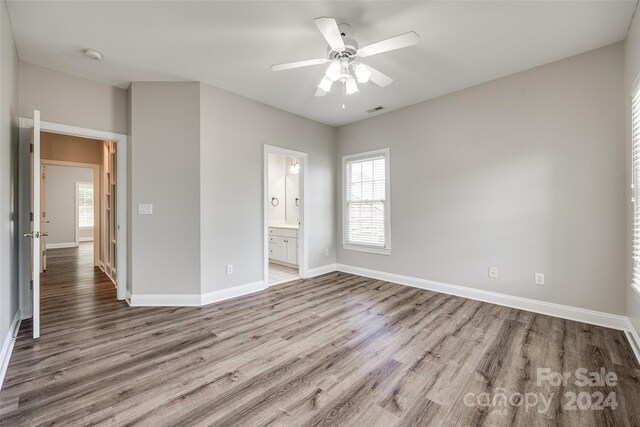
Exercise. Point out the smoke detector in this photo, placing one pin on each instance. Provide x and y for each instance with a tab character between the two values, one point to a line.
93	54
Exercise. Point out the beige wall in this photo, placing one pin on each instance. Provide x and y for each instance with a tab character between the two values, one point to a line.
632	73
234	131
9	230
165	171
66	99
68	148
525	173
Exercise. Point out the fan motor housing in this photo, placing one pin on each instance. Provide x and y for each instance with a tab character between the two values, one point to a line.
350	51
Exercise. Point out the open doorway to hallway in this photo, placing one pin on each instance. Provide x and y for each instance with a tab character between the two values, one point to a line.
65	145
77	208
78	198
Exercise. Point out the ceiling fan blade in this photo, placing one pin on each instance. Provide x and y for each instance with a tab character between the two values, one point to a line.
398	42
320	92
329	29
379	78
298	64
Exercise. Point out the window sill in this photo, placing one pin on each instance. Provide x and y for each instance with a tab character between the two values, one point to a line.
369	249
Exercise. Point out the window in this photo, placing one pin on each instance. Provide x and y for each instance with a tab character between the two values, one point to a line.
366	202
635	184
85	204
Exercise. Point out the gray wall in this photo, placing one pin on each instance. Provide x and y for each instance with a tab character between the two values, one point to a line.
9	233
165	171
60	199
234	131
525	173
63	98
632	72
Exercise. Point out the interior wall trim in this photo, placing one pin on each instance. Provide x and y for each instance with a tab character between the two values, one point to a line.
318	271
592	317
165	300
194	300
634	338
7	346
234	292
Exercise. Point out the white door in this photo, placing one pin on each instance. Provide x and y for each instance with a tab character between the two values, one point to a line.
34	235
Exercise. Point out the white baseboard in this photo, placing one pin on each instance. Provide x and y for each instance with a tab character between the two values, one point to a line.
7	346
551	309
228	293
62	245
164	300
194	300
634	338
318	271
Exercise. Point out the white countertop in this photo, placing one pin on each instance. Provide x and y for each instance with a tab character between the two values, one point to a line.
288	226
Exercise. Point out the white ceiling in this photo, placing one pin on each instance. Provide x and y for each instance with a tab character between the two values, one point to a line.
231	45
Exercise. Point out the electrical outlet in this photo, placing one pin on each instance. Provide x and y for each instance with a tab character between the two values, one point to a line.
493	272
326	252
539	279
229	269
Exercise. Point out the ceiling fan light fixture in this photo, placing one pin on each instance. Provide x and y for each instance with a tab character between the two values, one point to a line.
333	72
325	84
363	74
351	86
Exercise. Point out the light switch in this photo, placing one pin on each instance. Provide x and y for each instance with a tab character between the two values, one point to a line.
145	209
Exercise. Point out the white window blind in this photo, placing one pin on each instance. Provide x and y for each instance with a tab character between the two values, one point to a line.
635	185
366	211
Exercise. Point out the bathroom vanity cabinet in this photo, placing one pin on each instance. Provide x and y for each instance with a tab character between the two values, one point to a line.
283	245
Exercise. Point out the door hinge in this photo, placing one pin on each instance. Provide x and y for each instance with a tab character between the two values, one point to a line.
31	148
31	285
31	216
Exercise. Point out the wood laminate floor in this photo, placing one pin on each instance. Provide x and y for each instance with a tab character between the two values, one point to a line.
335	350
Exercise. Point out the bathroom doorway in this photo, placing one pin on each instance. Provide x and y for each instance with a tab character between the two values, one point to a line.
285	236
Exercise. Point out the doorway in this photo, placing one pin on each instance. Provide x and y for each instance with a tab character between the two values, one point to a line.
71	206
284	214
98	221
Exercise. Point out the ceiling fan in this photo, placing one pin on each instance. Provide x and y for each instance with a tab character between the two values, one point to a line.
343	54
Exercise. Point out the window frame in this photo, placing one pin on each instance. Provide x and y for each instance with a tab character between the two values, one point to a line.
79	185
635	181
386	249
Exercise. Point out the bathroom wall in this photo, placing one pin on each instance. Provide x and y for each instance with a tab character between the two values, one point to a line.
284	185
277	175
292	192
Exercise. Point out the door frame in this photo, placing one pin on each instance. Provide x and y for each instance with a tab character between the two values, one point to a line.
303	232
97	201
121	199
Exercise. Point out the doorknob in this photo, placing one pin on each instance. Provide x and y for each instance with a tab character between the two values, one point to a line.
33	234
44	234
